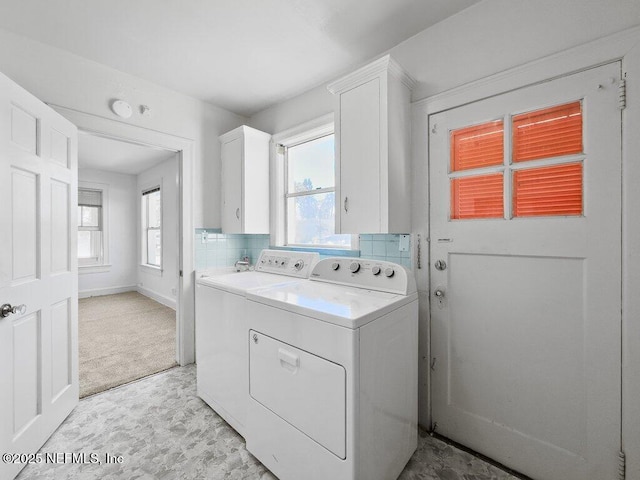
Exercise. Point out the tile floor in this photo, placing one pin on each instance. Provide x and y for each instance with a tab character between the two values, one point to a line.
163	431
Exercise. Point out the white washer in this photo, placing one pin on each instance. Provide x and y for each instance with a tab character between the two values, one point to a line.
333	372
221	329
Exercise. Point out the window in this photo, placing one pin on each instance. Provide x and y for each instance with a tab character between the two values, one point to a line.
90	227
310	193
152	227
544	173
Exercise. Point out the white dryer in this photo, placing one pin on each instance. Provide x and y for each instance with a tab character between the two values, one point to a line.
222	355
333	372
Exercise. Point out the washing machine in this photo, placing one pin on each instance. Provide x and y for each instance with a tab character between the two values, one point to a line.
222	354
333	372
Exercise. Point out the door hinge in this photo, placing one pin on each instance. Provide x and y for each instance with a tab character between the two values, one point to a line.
180	273
622	94
622	462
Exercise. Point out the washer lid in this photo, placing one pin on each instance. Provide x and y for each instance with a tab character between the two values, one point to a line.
240	282
349	307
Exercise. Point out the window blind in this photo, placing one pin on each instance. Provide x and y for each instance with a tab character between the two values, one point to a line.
151	190
547	191
477	197
477	146
89	198
551	132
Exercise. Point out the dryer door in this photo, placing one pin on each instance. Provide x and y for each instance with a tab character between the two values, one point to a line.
305	390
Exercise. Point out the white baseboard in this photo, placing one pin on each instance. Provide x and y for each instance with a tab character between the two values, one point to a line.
166	301
97	292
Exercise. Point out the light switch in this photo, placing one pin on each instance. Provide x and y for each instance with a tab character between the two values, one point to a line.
404	243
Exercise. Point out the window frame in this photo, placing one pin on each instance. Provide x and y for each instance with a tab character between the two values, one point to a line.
510	166
144	226
101	262
306	132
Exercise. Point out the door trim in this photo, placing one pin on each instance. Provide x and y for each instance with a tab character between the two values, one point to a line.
108	128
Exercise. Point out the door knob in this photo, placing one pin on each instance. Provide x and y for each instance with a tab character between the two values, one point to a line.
440	265
439	293
7	310
238	213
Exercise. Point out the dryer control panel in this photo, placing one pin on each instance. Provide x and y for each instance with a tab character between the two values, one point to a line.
286	262
363	273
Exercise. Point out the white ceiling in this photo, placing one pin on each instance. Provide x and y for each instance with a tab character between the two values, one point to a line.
110	155
242	55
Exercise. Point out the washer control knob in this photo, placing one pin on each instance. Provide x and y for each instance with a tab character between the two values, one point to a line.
388	272
354	267
298	265
375	270
335	266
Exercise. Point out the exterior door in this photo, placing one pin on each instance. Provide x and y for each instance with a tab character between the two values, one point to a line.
38	269
525	213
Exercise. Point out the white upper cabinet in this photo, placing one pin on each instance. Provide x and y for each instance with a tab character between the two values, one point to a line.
245	181
373	151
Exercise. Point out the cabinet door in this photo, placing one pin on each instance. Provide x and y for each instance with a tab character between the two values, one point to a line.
232	186
360	159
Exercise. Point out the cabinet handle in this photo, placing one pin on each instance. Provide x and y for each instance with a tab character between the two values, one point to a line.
238	213
346	204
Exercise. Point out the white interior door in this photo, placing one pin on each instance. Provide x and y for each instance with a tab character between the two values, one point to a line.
38	269
525	212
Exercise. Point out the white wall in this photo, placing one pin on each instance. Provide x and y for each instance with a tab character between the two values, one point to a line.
160	285
490	37
487	38
121	231
64	79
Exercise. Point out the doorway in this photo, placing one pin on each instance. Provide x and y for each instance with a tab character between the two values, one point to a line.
128	210
526	276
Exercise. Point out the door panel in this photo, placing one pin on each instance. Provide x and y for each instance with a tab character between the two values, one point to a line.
24	129
24	225
61	353
38	347
526	329
534	330
59	148
27	359
59	227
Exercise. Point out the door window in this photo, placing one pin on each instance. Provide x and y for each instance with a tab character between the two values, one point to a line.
543	170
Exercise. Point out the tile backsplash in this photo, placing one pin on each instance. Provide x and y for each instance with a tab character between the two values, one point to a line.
385	247
222	250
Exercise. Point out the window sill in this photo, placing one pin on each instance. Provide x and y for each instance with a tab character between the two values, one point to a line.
84	269
157	271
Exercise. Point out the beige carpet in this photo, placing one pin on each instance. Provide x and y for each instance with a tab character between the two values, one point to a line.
122	338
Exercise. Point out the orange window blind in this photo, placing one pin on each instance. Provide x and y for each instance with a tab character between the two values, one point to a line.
479	196
548	191
477	146
550	132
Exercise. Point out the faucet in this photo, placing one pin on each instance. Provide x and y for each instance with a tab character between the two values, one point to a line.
243	264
